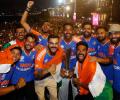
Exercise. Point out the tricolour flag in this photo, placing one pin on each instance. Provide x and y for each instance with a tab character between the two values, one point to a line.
99	87
90	73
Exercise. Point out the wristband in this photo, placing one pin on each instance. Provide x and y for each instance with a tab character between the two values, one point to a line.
28	9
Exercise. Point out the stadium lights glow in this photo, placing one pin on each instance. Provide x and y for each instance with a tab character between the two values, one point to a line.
67	8
60	1
71	0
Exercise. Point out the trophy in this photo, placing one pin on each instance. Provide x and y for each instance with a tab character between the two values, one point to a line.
67	61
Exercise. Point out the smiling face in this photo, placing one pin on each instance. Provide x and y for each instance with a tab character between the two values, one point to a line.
87	30
20	34
101	34
68	31
29	43
81	53
115	37
53	45
16	54
46	27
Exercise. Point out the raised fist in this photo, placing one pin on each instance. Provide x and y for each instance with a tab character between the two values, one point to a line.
30	4
21	83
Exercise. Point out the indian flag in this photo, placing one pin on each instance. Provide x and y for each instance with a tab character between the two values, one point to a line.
9	44
4	68
91	73
99	87
6	60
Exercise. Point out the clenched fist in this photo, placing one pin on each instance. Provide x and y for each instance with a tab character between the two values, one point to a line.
21	83
30	4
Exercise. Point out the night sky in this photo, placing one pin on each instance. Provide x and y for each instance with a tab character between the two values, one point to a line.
7	5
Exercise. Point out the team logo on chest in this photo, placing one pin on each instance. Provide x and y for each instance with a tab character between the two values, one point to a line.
46	60
22	58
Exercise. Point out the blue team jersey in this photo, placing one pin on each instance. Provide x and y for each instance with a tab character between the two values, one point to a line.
92	45
24	67
116	62
47	58
103	52
42	41
5	78
72	46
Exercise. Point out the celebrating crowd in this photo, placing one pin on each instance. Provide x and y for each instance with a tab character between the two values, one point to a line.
45	65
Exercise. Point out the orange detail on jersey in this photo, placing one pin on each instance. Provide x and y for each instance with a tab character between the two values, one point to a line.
55	60
35	32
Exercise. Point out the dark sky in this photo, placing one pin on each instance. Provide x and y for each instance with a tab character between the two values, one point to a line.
21	4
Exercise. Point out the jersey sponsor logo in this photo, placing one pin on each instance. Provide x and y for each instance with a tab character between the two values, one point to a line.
25	68
25	65
4	83
101	54
91	51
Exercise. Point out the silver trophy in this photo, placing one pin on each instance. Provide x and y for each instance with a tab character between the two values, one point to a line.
67	61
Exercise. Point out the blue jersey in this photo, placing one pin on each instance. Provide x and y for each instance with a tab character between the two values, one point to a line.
72	46
42	41
103	52
5	78
47	58
24	67
92	46
116	62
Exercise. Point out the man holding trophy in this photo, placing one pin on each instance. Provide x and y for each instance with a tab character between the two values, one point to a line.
69	46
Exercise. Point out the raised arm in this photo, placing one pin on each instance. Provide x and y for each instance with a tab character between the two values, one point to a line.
23	20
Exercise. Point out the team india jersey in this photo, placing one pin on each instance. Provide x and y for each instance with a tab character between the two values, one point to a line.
24	67
5	78
92	46
72	46
42	41
103	52
116	62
